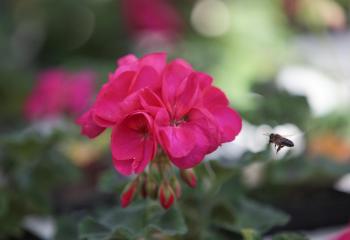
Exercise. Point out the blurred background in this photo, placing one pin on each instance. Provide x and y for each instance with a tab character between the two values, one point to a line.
285	65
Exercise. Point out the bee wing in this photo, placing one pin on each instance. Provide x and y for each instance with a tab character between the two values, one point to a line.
299	134
293	135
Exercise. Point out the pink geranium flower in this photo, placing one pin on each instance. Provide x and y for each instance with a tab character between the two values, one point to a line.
120	95
158	112
198	118
58	92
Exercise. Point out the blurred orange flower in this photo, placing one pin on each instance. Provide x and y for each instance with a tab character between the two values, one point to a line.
332	146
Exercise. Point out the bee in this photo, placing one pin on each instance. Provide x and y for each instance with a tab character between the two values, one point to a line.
280	141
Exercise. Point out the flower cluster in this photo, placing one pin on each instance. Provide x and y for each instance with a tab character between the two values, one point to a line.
57	92
160	111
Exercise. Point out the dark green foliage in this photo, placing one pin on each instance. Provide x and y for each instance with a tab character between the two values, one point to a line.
31	168
139	220
317	171
289	236
274	107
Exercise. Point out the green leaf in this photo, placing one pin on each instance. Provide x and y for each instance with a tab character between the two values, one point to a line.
138	220
289	236
317	171
222	214
91	229
214	175
3	204
250	234
110	181
252	215
66	227
269	111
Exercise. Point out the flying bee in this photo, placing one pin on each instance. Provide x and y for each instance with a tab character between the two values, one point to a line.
280	141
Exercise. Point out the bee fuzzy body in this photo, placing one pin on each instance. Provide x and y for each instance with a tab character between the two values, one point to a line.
280	141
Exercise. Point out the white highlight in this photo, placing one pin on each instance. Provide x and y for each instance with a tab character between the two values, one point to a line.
323	94
343	184
254	139
43	227
211	18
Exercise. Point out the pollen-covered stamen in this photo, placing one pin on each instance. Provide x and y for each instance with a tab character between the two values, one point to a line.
177	122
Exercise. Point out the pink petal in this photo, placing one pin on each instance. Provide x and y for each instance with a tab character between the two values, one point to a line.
127	60
229	121
206	136
149	151
88	126
107	106
205	122
124	167
204	80
162	119
129	104
173	75
198	152
130	67
213	97
150	98
177	141
132	140
183	62
155	60
192	159
146	77
150	101
187	95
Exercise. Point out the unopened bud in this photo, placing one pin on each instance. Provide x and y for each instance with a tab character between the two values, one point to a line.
143	188
151	188
129	193
166	195
177	188
189	176
154	171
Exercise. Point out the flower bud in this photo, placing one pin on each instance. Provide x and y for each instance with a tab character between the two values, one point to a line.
154	171
177	187
166	195
129	193
189	176
151	188
143	188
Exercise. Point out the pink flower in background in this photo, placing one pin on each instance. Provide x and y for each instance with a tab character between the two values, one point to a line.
80	88
160	111
345	235
58	92
152	16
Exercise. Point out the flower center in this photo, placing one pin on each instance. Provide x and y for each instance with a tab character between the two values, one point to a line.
177	122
